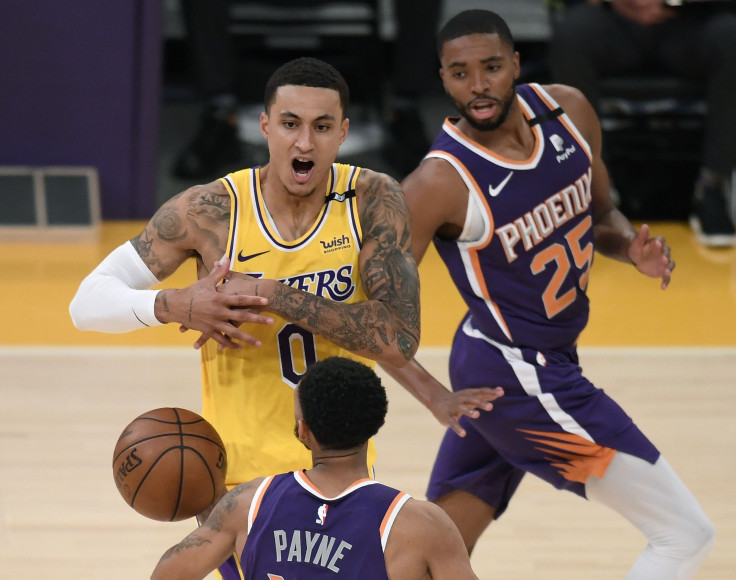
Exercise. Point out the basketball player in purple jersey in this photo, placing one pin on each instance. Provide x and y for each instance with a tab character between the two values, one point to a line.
516	198
331	521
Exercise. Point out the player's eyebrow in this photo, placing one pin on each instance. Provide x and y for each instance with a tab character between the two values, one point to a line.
291	115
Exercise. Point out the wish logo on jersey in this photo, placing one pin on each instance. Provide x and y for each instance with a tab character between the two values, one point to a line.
335	244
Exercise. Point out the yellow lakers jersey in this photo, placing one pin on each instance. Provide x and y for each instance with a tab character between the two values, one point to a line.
248	394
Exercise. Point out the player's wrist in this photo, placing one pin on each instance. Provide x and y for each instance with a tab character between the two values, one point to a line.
164	306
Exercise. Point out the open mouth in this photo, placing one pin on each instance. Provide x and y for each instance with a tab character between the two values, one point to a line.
483	109
302	169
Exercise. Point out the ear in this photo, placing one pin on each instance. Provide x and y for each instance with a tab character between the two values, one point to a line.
344	130
264	125
302	432
517	66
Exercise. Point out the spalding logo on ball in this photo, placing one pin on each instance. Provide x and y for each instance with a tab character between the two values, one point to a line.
169	464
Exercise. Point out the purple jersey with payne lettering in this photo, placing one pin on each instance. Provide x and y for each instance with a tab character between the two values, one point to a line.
524	272
294	531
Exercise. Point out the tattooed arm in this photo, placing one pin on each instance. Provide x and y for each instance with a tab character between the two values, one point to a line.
116	296
206	548
385	327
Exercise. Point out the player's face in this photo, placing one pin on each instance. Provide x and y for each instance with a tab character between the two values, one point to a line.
304	128
479	73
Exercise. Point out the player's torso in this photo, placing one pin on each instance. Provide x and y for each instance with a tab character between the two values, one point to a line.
248	393
299	533
524	272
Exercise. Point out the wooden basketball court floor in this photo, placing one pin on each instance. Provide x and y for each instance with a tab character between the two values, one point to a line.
668	357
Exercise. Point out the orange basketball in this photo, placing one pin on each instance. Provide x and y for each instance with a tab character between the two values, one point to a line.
169	464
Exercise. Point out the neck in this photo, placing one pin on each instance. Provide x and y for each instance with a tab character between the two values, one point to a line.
334	471
292	214
514	138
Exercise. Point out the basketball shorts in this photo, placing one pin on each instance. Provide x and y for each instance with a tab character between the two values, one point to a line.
551	422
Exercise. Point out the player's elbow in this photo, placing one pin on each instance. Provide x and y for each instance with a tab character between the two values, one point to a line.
406	347
79	315
84	315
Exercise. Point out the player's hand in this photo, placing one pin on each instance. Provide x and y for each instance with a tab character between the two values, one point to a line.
216	315
467	402
651	256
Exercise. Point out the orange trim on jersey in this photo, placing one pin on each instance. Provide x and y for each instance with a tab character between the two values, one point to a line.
304	479
575	458
564	120
390	511
259	499
473	252
535	151
359	482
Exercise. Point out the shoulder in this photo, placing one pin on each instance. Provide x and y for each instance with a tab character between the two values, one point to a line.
423	517
433	175
420	527
380	199
192	202
205	194
234	504
422	520
374	183
576	106
567	96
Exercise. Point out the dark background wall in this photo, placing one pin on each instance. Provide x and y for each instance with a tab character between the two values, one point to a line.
81	84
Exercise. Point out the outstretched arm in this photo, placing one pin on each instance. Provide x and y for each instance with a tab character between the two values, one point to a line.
386	326
206	548
437	200
116	296
447	406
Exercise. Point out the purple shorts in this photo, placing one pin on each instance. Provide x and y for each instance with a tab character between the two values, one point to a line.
552	422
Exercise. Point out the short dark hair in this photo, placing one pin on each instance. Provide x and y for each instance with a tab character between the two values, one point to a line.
343	402
307	72
474	22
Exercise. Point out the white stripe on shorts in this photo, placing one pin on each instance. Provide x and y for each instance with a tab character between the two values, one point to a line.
527	376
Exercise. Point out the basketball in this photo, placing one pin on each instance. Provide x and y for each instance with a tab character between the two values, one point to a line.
169	464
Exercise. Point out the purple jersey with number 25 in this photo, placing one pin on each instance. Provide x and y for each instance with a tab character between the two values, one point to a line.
524	278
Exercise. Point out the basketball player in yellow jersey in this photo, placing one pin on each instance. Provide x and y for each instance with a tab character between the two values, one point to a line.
329	252
324	261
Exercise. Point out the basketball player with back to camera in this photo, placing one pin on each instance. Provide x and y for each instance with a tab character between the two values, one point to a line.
516	198
321	262
333	520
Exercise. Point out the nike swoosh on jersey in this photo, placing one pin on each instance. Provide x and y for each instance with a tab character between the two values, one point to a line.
242	258
494	191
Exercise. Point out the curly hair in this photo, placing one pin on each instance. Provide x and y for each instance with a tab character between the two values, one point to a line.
343	402
474	22
307	72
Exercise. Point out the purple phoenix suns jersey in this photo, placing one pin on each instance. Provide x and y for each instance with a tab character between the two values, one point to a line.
524	277
295	532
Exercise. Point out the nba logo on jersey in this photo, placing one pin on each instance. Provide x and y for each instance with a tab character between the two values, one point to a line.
322	514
